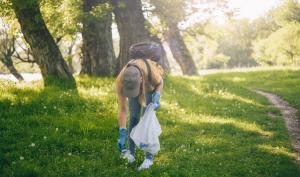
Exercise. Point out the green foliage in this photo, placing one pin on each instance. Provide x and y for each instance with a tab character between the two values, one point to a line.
280	48
97	13
121	4
235	42
6	8
173	6
288	12
156	28
101	10
62	17
172	12
205	54
264	26
212	126
272	39
216	61
221	46
282	45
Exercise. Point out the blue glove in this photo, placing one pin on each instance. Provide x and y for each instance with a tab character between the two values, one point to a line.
122	138
155	100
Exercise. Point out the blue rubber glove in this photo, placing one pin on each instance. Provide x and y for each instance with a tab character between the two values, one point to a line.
122	138
155	100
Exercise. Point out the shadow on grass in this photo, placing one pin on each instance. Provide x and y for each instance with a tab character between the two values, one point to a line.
208	147
210	101
212	149
49	128
61	133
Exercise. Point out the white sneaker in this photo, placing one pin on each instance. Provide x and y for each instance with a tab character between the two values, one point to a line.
126	155
145	165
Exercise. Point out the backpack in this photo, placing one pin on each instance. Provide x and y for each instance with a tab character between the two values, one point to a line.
146	50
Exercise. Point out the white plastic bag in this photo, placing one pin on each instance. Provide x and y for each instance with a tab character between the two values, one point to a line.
146	133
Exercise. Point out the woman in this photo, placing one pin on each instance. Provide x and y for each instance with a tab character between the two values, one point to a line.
141	82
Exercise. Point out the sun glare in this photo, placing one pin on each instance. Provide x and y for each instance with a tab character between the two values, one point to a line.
252	8
249	9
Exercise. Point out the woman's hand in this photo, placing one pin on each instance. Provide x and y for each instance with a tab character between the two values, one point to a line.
156	99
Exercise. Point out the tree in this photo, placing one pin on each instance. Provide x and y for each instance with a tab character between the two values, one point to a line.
7	50
224	45
180	51
98	54
62	17
282	44
264	26
171	18
236	42
69	49
176	14
280	48
288	12
44	49
131	26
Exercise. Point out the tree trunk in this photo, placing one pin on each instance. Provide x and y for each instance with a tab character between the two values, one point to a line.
70	64
70	55
98	54
7	61
131	26
15	73
45	51
180	51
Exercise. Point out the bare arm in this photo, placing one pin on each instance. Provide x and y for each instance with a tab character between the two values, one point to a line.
122	111
159	88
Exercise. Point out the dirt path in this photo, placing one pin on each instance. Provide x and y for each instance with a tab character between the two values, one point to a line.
290	118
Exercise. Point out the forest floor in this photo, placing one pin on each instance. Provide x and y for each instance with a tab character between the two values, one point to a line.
213	125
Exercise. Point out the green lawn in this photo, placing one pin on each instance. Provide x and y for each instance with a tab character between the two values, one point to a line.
212	125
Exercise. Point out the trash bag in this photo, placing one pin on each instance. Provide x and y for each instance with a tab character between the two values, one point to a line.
146	133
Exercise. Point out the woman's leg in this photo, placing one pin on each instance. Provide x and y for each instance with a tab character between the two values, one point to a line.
135	110
148	97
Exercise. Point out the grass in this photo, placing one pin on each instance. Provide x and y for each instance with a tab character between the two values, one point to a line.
212	125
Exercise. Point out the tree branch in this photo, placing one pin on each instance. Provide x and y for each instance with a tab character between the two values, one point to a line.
26	59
